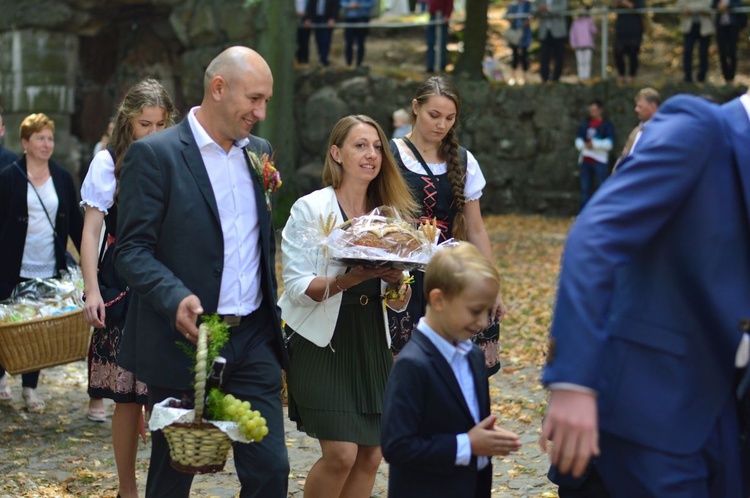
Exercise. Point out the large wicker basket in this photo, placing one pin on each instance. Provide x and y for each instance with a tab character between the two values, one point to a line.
44	342
198	448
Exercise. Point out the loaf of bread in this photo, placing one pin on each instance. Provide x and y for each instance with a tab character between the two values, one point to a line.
397	239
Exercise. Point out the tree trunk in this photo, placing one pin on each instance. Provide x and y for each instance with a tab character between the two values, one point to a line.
279	17
275	21
469	64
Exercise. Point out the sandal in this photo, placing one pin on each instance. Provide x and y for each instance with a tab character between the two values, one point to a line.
34	404
5	394
97	415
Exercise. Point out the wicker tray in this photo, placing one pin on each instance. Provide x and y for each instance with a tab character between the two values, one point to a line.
44	342
198	448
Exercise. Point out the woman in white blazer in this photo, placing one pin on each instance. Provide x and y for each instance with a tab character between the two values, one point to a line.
335	317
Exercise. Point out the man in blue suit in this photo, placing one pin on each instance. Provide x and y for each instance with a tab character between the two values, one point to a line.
195	236
645	345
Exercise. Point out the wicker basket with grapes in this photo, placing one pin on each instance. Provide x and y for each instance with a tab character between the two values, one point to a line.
200	445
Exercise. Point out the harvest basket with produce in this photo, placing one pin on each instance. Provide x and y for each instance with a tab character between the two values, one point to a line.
42	324
199	437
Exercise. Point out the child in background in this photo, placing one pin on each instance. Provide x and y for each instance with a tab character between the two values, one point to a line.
401	124
582	33
437	431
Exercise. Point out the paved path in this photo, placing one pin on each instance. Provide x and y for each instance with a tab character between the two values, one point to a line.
62	454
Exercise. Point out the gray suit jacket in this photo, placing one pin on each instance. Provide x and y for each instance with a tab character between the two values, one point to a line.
553	22
170	245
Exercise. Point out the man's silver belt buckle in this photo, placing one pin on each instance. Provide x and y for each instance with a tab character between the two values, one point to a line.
232	320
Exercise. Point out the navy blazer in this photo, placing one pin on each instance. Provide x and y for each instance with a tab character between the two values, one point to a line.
656	277
170	245
14	220
424	410
6	157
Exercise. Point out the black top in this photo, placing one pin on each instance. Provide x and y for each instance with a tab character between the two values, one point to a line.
14	220
6	157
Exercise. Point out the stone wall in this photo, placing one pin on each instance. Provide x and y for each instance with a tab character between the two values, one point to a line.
522	136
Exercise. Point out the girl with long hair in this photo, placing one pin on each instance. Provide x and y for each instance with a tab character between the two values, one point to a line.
447	182
146	108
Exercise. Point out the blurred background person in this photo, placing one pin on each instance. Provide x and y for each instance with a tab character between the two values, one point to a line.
552	32
696	25
146	108
303	35
582	33
728	26
594	140
401	123
38	211
519	16
104	140
322	12
6	156
356	11
442	9
647	102
628	39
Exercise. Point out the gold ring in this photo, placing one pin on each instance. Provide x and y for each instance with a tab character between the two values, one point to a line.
187	336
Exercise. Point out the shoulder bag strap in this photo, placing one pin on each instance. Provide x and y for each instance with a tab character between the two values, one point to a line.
18	167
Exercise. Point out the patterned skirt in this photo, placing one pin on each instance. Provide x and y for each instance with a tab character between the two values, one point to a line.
106	378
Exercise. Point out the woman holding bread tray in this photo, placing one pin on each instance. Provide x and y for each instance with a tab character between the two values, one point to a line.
336	325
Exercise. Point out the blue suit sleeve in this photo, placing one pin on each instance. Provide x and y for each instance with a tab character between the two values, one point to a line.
622	218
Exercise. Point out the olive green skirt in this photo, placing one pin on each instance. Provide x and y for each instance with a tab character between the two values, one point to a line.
336	392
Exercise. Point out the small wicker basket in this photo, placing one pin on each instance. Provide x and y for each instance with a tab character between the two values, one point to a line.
197	447
44	342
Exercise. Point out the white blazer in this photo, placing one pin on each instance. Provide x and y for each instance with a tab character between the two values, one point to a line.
313	320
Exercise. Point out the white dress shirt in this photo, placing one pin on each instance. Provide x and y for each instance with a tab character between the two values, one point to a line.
233	188
457	357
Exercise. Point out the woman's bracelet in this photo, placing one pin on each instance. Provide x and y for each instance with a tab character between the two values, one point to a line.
336	283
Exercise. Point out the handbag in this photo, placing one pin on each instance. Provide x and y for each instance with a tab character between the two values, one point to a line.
70	261
513	35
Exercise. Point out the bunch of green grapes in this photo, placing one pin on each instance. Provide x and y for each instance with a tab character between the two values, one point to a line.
250	423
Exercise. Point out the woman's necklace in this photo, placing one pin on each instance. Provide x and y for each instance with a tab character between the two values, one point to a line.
38	177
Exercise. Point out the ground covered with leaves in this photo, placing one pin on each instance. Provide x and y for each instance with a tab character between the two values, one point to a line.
61	454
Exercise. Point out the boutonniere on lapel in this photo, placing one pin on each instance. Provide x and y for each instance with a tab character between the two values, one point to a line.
267	174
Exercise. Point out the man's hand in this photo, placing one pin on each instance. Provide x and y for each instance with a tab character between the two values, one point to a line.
487	440
188	312
571	424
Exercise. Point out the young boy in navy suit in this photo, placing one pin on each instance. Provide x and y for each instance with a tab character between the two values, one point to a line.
437	431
